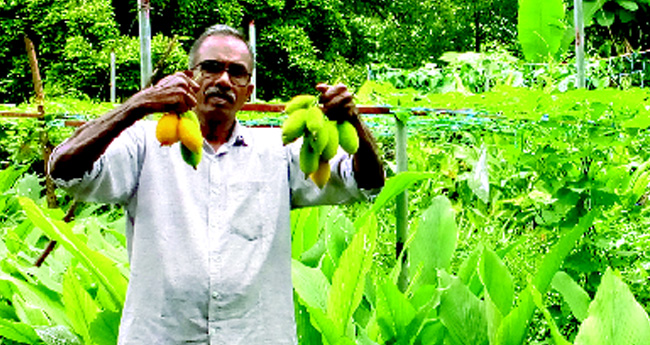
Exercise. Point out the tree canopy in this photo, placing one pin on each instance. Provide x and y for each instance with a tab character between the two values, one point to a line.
299	42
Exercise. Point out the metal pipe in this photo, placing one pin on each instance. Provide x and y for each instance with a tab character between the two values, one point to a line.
401	209
251	40
579	24
145	41
113	77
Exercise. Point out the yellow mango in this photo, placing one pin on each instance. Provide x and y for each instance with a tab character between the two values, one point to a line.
321	175
167	129
190	135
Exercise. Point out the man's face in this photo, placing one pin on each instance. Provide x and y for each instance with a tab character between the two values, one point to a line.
223	93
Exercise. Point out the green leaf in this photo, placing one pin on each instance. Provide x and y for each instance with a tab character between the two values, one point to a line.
325	325
105	327
305	228
18	331
338	233
615	317
310	284
79	305
394	186
540	28
435	239
102	268
497	281
628	5
463	314
37	296
605	18
394	313
575	296
348	280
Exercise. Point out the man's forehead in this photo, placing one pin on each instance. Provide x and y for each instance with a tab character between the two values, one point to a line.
226	48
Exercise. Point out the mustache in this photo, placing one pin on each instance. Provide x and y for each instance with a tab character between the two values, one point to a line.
220	92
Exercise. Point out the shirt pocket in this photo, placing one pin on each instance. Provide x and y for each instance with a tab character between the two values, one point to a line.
250	205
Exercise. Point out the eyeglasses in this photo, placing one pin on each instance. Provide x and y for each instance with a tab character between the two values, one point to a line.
237	73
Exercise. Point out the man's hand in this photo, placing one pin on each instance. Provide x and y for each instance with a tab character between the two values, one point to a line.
338	105
174	93
338	102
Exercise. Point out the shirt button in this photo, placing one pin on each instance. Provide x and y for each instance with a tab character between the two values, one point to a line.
216	295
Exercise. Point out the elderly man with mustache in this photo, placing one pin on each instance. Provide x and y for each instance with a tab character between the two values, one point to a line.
209	249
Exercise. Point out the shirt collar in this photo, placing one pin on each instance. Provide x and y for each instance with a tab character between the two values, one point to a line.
238	138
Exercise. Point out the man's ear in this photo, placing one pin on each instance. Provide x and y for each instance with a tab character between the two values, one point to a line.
249	91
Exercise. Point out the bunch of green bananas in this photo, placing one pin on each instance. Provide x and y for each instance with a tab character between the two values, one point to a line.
322	136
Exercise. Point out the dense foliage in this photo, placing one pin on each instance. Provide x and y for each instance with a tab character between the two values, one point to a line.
298	42
528	201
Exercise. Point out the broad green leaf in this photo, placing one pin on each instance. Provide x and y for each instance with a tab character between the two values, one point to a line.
394	313
348	280
10	175
105	327
425	300
325	325
103	269
494	318
38	296
641	121
338	233
615	317
435	239
540	28
432	333
575	296
79	305
605	18
628	5
29	313
394	186
468	271
462	313
310	284
497	280
305	227
18	331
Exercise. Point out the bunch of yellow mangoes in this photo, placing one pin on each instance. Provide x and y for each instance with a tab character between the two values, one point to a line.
172	128
321	136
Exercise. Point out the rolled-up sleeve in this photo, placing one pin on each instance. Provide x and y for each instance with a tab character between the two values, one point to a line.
114	176
341	188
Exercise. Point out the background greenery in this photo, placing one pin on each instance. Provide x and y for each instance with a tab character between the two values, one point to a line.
514	173
298	43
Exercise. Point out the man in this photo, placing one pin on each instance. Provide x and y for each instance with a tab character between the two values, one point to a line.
209	248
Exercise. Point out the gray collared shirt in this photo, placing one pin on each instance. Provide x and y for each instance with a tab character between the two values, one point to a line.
209	249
